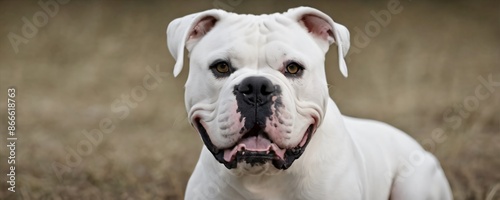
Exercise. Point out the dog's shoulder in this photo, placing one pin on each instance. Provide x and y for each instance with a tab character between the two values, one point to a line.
413	172
380	134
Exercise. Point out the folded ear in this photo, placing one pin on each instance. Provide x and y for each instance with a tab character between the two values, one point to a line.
322	26
186	31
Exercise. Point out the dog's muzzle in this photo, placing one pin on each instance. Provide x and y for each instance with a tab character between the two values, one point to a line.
256	97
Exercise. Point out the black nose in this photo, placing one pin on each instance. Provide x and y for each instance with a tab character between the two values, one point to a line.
256	89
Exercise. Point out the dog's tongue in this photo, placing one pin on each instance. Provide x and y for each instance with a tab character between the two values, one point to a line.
254	143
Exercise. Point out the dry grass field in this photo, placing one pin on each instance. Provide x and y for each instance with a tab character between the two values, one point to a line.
74	74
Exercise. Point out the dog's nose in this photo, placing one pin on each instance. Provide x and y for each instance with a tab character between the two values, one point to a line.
256	89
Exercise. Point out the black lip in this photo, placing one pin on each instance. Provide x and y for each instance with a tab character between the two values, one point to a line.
218	154
254	157
293	154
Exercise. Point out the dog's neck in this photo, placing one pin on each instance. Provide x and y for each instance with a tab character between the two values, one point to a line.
298	175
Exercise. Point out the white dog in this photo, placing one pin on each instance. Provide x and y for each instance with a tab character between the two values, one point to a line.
257	94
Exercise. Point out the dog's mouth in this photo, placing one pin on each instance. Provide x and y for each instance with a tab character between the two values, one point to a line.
256	148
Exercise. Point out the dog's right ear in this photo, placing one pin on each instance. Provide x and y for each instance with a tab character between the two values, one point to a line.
186	31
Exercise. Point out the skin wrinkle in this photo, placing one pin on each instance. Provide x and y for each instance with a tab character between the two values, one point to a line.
301	106
201	108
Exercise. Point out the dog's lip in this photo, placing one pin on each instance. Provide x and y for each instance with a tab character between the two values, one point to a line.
258	143
282	158
270	148
204	136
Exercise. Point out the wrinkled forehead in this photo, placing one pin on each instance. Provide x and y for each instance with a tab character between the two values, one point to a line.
264	40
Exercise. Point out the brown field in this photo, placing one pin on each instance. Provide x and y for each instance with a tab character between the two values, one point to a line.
416	74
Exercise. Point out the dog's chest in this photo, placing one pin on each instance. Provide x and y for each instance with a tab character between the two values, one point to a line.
287	188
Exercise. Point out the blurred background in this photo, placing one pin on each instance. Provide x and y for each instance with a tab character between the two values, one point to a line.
88	128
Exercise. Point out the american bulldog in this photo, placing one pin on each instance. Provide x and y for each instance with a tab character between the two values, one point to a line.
257	95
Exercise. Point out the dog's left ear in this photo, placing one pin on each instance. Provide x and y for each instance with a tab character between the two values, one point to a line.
322	26
186	31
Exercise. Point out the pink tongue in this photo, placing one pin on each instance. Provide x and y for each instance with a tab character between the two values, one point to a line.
255	143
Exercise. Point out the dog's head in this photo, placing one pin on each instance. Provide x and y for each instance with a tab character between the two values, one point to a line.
256	90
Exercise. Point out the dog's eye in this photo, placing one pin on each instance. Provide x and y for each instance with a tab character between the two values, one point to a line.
221	69
293	69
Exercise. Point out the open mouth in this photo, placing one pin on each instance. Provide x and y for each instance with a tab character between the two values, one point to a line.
255	148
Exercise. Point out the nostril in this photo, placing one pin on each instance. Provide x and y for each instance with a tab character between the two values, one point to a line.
267	89
245	88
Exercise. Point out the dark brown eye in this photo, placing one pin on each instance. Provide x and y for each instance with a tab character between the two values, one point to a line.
293	69
221	69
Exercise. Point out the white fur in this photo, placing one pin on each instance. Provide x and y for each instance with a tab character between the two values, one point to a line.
347	158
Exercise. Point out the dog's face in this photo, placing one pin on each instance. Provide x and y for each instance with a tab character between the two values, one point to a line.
257	89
